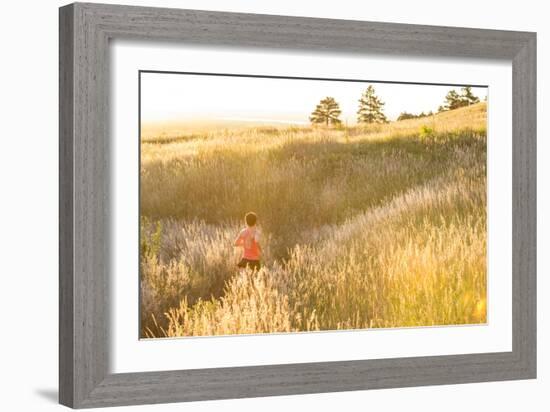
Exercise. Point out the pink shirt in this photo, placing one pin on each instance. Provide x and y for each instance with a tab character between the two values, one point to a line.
249	238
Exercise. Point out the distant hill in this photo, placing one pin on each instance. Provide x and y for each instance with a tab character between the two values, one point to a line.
472	117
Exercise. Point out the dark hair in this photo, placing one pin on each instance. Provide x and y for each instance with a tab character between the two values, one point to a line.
250	218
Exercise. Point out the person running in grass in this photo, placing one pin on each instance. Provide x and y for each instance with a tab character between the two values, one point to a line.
249	239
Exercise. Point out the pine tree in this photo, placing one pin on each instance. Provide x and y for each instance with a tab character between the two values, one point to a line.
370	108
326	112
468	97
452	101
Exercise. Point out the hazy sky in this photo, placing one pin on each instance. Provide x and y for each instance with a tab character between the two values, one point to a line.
184	97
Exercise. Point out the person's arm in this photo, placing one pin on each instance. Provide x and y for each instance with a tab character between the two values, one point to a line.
238	239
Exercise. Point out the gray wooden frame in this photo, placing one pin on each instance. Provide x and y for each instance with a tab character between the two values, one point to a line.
85	31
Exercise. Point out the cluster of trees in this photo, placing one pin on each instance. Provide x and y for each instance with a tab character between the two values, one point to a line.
406	115
371	107
370	110
455	100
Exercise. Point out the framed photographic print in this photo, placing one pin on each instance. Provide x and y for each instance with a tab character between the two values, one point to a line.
256	205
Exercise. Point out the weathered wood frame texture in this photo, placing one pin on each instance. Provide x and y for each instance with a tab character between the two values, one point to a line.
85	31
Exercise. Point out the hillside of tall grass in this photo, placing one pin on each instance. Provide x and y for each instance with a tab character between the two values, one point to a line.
363	227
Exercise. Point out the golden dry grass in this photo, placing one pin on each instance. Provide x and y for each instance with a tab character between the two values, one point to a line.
381	226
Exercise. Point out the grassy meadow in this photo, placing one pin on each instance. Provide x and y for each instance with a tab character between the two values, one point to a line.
362	227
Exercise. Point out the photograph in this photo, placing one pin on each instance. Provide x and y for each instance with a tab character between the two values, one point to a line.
271	204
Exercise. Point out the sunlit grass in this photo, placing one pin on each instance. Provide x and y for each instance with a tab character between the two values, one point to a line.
380	226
